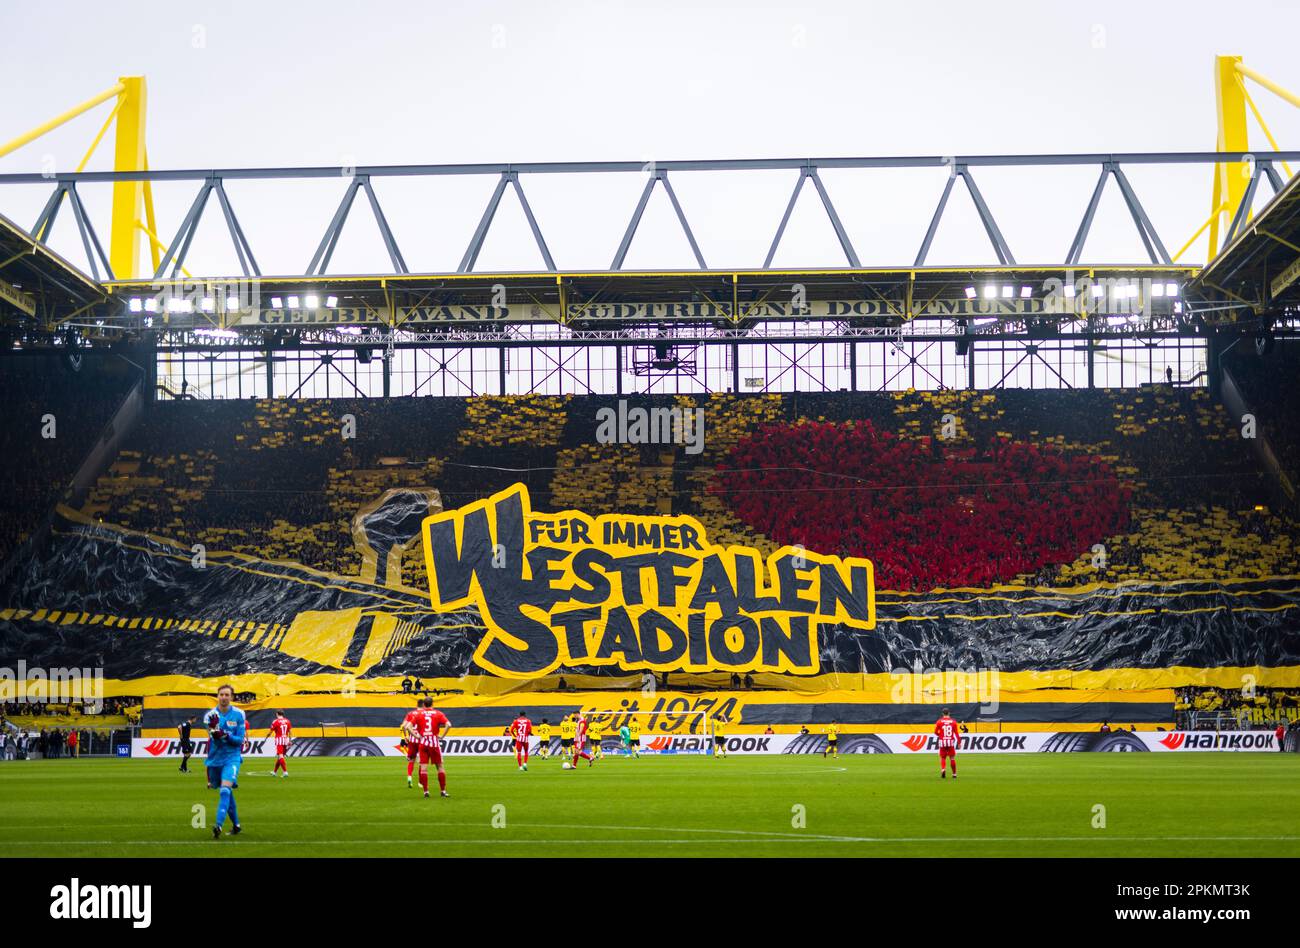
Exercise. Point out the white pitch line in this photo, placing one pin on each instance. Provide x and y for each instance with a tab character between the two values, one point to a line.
766	834
771	834
606	840
391	842
763	834
758	836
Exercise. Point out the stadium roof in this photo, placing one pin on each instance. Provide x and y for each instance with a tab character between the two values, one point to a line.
36	283
1261	266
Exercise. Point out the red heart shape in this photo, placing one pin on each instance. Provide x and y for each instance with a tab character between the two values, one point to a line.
927	513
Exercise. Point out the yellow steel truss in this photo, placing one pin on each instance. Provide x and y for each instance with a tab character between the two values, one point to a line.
129	196
1231	178
132	200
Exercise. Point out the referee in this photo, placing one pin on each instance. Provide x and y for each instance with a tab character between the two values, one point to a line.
187	745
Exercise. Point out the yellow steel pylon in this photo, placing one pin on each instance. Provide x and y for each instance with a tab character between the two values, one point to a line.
1232	98
129	196
132	200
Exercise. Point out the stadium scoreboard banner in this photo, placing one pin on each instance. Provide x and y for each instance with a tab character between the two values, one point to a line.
1041	742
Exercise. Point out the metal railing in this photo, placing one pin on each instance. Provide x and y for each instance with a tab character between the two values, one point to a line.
1239	719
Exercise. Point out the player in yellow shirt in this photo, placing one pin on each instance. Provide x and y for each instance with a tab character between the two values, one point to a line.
596	734
544	739
832	740
568	730
719	740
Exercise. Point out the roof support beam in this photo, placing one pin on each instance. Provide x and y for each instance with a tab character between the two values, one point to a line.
44	226
1000	248
320	261
485	222
810	171
849	253
656	175
88	236
1152	240
986	217
1243	209
1085	226
681	218
245	253
621	254
532	222
934	222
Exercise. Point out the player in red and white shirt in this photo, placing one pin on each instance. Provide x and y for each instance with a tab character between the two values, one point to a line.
521	729
410	733
580	740
431	723
282	734
945	729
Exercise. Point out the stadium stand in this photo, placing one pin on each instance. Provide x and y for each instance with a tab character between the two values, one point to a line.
1220	707
278	479
1192	489
1271	388
35	469
1018	487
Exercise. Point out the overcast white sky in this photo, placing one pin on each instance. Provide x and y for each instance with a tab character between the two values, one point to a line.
236	84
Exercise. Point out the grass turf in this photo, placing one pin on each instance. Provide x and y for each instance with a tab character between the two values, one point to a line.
865	805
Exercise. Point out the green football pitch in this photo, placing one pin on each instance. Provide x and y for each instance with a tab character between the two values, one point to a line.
868	805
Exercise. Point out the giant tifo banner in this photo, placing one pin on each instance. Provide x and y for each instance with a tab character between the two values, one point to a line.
519	599
915	744
636	592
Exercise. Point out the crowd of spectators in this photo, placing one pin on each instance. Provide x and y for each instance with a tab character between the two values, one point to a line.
1021	489
18	743
108	707
927	513
284	479
1242	707
973	488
